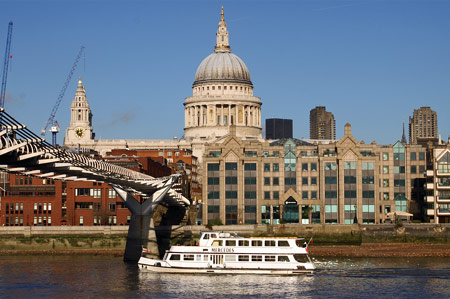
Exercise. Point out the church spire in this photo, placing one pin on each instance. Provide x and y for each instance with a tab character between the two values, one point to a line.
222	43
403	135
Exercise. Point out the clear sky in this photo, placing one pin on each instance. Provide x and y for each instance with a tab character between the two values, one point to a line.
371	63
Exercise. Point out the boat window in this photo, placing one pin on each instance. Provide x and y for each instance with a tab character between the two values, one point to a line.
206	236
217	243
283	258
198	257
243	258
256	258
230	258
269	243
188	257
269	258
230	243
205	257
283	243
300	242
213	235
256	243
244	243
175	257
301	258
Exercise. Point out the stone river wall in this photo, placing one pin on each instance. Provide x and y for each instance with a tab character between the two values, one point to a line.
113	238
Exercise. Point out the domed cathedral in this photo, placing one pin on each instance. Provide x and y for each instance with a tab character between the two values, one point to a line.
79	131
222	96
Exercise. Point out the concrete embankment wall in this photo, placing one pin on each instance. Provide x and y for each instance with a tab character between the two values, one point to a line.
92	238
114	237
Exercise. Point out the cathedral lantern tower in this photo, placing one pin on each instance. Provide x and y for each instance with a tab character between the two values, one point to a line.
222	96
80	128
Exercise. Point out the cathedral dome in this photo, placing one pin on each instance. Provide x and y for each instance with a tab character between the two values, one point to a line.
222	66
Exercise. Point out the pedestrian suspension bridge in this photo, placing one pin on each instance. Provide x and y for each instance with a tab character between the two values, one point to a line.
25	153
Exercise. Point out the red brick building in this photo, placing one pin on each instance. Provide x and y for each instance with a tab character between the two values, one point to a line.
27	201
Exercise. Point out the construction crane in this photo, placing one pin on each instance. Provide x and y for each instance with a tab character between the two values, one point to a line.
51	120
6	65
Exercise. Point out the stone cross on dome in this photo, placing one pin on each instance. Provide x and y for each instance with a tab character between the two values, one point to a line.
222	44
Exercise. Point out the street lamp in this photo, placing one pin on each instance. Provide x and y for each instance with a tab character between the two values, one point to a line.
355	220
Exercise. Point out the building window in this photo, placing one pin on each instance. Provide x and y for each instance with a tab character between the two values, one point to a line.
266	194
112	193
385	169
330	166
385	156
421	156
313	181
266	167
275	181
313	166
367	179
276	167
386	195
305	181
413	156
81	220
267	181
313	194
276	194
413	169
304	166
304	194
399	183
96	193
399	169
368	166
330	180
289	181
350	165
112	206
385	182
421	168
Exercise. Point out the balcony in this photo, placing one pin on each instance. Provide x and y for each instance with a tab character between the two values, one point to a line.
430	212
443	199
430	198
443	212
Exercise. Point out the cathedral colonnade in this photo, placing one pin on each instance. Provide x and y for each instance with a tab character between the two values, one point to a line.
222	115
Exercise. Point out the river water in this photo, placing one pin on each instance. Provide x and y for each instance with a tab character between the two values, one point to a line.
106	276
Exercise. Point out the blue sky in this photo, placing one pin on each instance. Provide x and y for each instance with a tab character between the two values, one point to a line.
369	62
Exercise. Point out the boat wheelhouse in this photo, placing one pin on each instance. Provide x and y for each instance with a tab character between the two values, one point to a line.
219	252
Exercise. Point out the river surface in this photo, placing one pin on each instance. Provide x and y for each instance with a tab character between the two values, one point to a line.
109	277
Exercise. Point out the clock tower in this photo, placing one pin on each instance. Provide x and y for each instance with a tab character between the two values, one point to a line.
79	131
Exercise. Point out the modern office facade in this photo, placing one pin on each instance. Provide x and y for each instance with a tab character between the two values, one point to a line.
291	181
321	124
423	126
278	128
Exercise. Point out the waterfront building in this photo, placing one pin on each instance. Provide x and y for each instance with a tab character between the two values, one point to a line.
321	124
438	186
278	128
293	181
34	201
423	126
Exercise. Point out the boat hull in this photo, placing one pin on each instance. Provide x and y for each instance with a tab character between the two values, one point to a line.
160	269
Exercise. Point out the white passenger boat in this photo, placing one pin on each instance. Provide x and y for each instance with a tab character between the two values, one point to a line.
227	253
